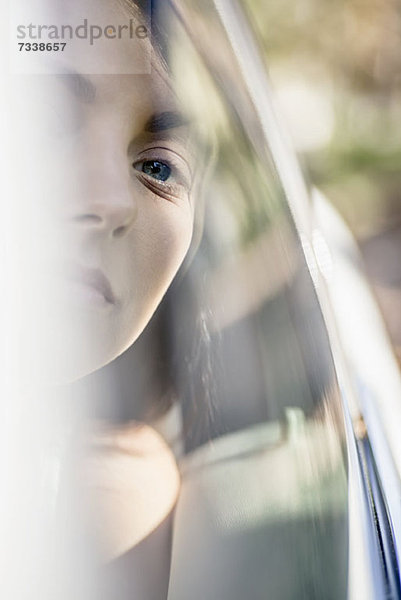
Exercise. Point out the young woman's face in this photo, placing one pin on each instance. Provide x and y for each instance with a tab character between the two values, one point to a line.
122	179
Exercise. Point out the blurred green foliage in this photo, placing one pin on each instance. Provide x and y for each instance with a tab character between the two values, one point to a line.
350	49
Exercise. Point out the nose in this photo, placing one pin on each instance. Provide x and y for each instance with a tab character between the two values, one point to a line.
105	199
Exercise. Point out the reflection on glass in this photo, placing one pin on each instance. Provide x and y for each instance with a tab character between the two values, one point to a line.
210	455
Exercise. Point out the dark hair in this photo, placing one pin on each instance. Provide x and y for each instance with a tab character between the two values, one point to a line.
154	14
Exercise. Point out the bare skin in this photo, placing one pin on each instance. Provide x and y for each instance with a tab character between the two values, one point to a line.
117	172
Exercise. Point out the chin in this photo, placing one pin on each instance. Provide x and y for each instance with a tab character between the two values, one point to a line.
65	354
55	366
64	347
76	355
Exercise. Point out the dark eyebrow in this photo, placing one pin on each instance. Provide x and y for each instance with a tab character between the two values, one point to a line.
164	121
79	85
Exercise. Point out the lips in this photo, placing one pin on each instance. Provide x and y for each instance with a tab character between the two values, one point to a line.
92	279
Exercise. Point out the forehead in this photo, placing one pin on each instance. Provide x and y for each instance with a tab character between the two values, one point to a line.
135	103
122	91
109	85
101	36
123	71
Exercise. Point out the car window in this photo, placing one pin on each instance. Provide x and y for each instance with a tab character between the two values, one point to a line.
238	360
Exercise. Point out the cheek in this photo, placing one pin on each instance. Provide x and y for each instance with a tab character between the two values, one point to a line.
146	266
161	240
172	234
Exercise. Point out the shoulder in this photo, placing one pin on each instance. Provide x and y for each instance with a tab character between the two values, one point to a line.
132	483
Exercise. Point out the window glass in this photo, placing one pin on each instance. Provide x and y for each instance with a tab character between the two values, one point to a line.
235	368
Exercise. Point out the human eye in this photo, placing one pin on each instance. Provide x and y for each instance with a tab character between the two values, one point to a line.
165	172
157	169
